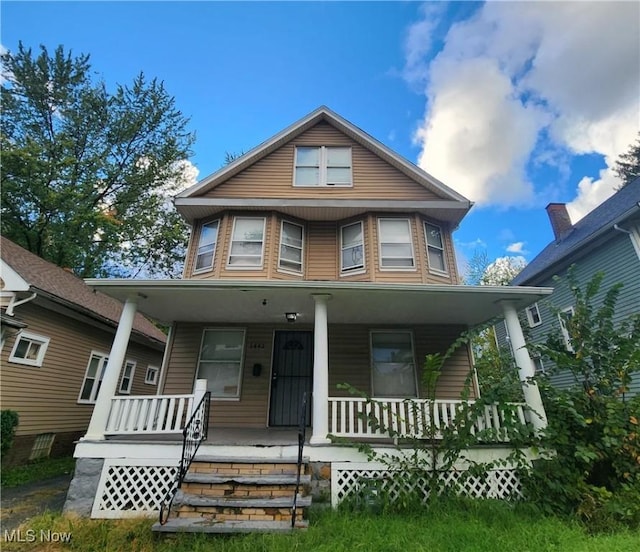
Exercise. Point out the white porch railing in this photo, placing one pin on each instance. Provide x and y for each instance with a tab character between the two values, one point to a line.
351	417
149	414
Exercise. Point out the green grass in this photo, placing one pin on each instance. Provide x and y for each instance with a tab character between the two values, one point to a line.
479	526
37	470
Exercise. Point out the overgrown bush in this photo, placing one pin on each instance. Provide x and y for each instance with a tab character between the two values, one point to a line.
8	422
593	425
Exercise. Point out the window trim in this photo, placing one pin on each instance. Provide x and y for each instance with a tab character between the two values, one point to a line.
442	250
215	245
322	167
413	354
302	249
33	338
241	362
380	243
356	269
563	327
154	380
532	323
231	241
104	357
128	362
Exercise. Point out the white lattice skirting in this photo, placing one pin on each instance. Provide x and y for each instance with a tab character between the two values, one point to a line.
130	487
352	478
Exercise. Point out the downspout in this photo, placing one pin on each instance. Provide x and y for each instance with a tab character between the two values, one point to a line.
620	229
13	305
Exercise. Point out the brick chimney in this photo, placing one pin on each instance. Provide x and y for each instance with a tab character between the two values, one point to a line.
560	220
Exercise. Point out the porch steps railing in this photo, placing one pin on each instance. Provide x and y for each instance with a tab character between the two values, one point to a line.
356	417
239	495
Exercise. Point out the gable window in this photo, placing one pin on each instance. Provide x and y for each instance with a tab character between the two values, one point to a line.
291	244
93	377
127	377
435	247
351	247
151	377
247	243
565	316
220	362
206	246
322	166
396	246
533	315
29	349
393	364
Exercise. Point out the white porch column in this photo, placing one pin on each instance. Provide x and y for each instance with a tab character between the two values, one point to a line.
320	404
109	384
526	368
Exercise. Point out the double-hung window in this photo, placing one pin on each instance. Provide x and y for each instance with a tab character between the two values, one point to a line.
220	361
247	242
322	166
206	246
565	318
93	377
435	247
396	245
151	377
291	247
351	248
393	364
533	315
127	377
29	349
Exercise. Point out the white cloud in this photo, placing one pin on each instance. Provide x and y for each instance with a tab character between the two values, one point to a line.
516	247
592	193
519	83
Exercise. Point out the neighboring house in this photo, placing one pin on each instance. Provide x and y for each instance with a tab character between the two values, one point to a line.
56	338
605	240
320	257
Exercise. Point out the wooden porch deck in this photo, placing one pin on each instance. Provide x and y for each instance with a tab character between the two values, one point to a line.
230	436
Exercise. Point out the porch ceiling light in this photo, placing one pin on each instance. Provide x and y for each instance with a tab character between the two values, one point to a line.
291	316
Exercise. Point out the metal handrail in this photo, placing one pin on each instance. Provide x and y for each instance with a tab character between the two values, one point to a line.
302	429
195	431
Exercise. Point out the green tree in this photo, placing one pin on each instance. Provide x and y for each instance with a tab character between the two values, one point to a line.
627	166
87	174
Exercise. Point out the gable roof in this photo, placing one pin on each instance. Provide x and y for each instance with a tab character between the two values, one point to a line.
619	207
323	114
65	288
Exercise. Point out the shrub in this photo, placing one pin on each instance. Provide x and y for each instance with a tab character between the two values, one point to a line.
8	423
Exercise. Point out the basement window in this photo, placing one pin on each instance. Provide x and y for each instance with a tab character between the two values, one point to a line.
42	446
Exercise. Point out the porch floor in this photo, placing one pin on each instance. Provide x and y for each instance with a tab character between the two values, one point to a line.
266	436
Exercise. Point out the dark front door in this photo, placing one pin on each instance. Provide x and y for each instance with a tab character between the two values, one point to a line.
291	377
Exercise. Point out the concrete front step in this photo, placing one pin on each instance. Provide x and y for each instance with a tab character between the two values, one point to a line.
200	525
200	501
272	479
248	459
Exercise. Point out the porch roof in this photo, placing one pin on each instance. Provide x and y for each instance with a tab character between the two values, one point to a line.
266	302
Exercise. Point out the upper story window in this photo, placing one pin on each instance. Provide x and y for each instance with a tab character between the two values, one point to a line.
322	166
151	377
291	247
396	245
29	349
533	315
206	246
435	247
565	317
247	243
127	377
351	247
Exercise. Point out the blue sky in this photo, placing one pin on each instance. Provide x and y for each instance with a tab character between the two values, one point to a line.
512	104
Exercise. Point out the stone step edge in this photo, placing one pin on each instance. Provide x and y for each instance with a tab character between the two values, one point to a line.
284	479
247	460
200	525
185	499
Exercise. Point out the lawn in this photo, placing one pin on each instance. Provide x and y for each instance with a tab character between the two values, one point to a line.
455	526
36	471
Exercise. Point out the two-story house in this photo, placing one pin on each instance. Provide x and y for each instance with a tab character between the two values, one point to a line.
56	338
605	240
318	258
